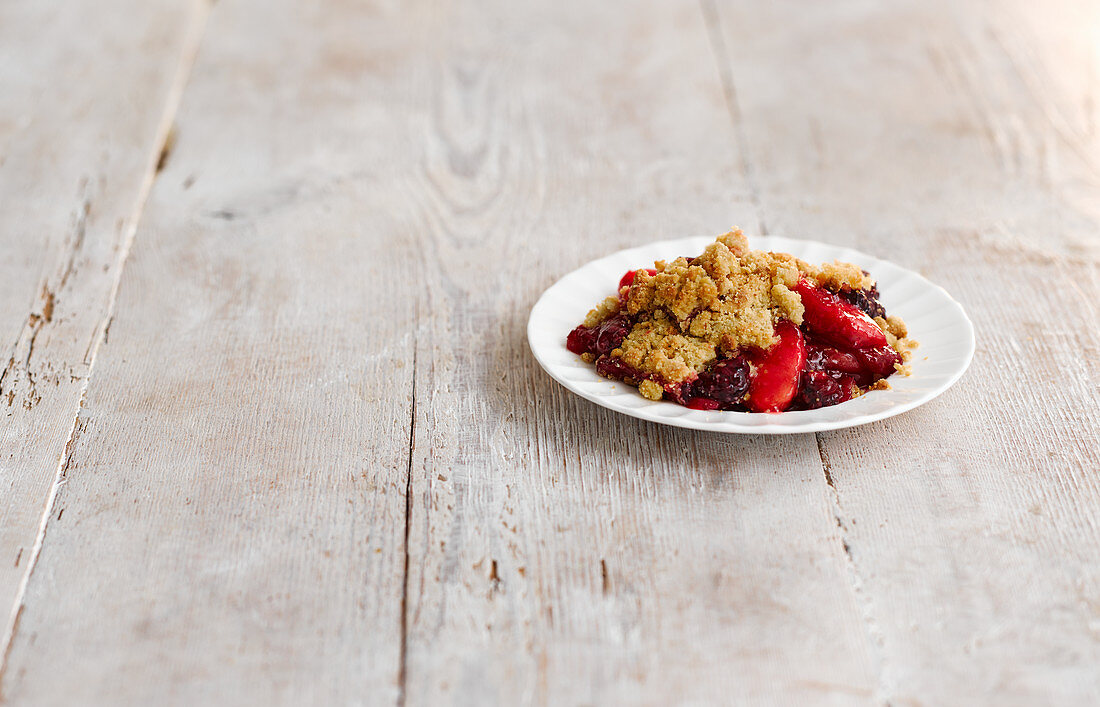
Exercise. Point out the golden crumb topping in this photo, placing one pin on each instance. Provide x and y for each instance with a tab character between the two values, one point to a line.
837	276
651	390
896	333
605	310
728	298
656	346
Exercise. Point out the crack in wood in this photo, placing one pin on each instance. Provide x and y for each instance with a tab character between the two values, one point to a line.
80	232
874	632
3	376
45	308
402	664
32	562
495	582
166	150
825	467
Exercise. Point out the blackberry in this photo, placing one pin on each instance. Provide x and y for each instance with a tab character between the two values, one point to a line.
726	381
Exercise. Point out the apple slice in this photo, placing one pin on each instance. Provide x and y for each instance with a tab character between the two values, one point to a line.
836	321
777	371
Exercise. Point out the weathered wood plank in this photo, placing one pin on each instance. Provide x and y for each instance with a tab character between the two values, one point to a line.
231	524
560	554
84	93
591	584
961	142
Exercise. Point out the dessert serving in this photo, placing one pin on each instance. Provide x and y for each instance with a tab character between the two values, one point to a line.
749	330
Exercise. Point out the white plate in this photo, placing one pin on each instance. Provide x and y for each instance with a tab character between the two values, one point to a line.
934	319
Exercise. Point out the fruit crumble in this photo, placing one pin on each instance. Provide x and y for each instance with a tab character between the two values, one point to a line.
741	329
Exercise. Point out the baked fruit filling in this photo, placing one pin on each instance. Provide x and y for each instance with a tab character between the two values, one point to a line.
749	330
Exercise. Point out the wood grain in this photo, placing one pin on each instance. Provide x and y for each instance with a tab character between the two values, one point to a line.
963	150
561	554
231	523
85	89
315	461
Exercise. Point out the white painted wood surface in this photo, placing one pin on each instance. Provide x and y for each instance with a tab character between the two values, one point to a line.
83	98
314	462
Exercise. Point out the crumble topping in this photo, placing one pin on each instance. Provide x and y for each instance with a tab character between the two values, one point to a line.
893	325
604	311
896	332
688	327
837	276
650	390
656	346
729	296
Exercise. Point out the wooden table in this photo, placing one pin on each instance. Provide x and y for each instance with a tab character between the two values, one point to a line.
272	433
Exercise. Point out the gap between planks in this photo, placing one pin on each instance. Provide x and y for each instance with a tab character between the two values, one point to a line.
402	661
875	636
162	146
724	63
